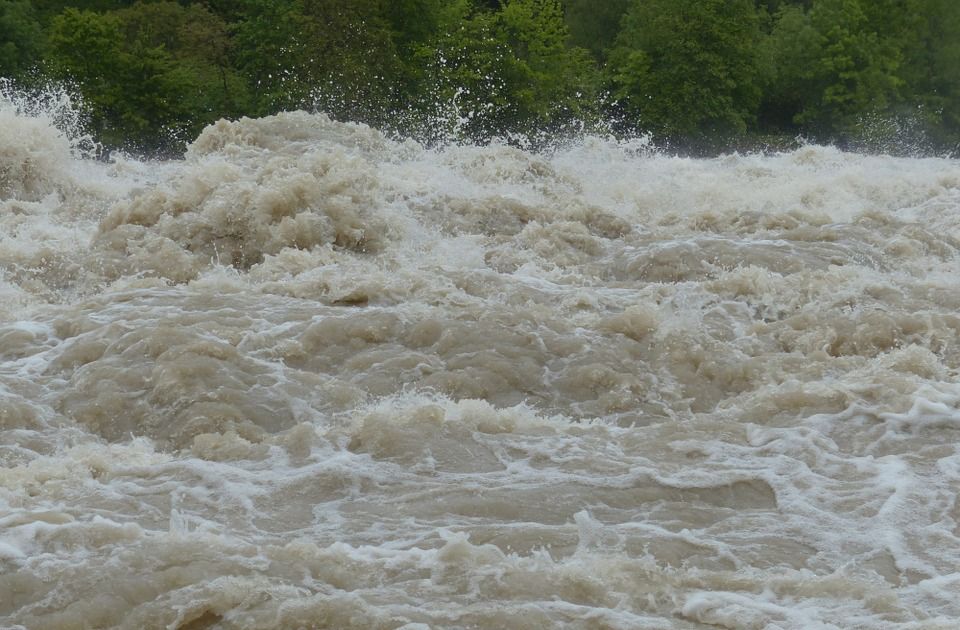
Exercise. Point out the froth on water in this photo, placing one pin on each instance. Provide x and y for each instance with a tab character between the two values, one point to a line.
309	376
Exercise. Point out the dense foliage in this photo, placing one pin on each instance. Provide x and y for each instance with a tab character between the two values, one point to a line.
697	74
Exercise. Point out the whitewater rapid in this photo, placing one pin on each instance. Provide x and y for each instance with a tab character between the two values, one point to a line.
312	377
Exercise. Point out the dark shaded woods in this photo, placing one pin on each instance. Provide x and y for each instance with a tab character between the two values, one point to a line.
700	76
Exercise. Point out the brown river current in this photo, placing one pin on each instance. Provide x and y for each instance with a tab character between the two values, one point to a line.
310	377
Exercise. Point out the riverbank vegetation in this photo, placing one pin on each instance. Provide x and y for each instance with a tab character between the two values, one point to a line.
698	75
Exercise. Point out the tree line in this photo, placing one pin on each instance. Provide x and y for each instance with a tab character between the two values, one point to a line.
698	75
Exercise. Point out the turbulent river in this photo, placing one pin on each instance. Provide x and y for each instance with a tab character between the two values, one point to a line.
312	377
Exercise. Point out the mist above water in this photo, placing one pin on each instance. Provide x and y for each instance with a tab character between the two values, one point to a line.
310	376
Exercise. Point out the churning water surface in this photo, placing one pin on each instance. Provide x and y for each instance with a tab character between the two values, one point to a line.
310	377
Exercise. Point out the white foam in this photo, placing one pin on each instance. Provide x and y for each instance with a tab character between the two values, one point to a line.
312	376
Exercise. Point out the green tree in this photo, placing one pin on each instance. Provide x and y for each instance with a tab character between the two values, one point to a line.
594	25
47	10
151	74
510	70
930	71
944	54
355	65
854	70
200	75
336	55
415	25
695	72
273	59
20	38
86	47
832	67
785	55
555	82
688	70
